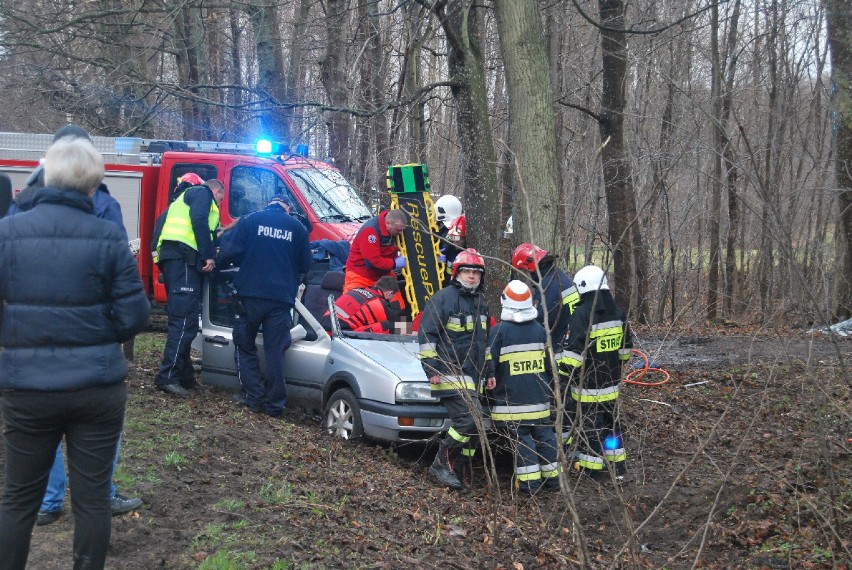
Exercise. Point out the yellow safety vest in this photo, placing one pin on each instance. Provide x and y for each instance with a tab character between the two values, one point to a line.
178	225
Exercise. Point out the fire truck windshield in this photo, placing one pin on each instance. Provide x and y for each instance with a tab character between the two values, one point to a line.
330	195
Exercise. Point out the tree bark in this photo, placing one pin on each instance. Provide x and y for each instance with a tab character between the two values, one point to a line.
270	64
532	130
839	18
625	239
333	77
460	21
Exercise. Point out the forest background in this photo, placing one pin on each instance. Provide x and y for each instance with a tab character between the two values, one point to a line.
698	150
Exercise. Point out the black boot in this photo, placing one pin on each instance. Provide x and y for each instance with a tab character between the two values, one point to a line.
464	471
442	468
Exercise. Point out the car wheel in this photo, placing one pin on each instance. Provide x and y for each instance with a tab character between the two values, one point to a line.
343	415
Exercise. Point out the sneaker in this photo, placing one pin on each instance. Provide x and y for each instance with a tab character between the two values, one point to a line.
121	504
47	517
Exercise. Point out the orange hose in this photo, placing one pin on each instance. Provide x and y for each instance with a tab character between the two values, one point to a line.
635	376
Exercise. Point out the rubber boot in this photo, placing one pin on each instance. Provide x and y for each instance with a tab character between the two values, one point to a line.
464	471
442	468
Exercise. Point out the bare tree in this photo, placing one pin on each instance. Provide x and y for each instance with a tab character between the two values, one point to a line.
840	38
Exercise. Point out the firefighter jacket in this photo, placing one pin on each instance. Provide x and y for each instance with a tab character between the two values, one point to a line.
373	250
271	248
598	342
453	336
70	293
522	394
561	297
189	225
364	309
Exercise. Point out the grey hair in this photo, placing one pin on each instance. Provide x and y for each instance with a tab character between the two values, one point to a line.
215	185
397	216
73	164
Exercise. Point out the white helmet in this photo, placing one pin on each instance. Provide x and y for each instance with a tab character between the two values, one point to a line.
590	278
517	303
447	209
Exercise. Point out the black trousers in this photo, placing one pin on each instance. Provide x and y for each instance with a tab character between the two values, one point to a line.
34	423
184	290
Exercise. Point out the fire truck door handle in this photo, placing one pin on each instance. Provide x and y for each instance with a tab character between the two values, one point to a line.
217	340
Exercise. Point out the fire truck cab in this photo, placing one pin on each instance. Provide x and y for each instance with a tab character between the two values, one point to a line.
141	174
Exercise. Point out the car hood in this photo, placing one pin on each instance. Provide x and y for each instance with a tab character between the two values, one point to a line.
400	358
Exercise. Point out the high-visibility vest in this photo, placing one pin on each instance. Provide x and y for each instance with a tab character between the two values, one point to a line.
178	225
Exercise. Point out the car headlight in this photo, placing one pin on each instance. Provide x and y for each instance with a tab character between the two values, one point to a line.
414	392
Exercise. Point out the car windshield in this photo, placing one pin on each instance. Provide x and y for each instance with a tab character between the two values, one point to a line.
330	195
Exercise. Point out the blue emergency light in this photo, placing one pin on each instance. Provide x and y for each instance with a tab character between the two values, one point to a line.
612	442
263	146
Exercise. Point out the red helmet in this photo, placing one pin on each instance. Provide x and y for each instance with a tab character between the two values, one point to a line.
191	178
526	256
468	258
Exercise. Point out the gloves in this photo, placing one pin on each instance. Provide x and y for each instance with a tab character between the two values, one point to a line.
400	262
442	258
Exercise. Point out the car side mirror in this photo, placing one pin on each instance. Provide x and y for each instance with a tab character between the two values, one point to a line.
298	333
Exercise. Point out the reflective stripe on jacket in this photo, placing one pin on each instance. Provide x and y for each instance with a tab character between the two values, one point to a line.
522	393
453	336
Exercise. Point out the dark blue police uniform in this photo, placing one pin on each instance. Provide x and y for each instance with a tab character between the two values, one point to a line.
271	249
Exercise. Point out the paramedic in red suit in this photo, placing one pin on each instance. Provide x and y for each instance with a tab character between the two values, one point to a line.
374	253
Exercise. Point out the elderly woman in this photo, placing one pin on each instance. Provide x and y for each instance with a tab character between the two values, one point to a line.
70	294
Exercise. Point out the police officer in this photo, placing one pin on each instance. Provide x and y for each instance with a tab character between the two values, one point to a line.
271	249
597	345
453	337
185	253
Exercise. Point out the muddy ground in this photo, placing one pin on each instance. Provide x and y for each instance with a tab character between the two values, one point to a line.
747	468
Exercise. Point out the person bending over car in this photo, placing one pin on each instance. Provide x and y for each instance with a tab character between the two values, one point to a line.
368	309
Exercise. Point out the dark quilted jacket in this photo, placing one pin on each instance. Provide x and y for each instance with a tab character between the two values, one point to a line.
70	293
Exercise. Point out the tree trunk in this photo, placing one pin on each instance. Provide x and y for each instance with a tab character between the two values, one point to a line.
460	21
295	72
270	65
532	131
625	240
730	168
839	18
333	77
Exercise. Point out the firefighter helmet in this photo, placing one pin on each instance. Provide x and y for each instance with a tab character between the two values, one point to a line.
590	278
517	303
191	178
526	256
468	259
516	295
447	209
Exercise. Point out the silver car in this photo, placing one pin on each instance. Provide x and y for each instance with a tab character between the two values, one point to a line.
364	383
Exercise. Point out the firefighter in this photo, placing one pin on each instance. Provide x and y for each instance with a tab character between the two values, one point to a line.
559	292
453	336
453	228
520	402
184	254
597	344
368	309
374	253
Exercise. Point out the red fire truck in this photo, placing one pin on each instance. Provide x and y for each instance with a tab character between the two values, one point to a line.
140	174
